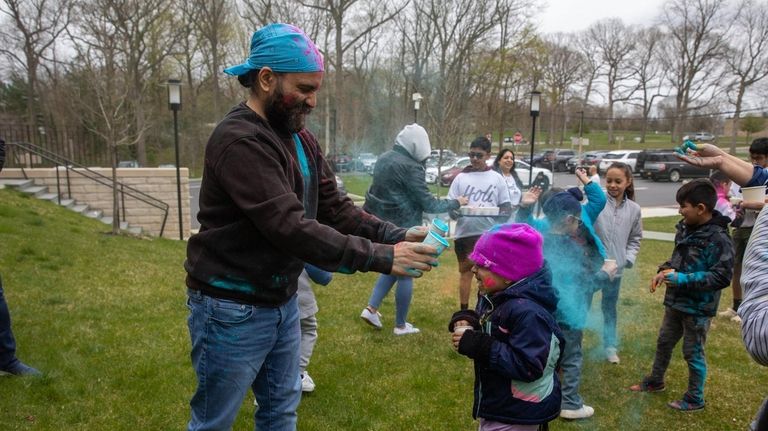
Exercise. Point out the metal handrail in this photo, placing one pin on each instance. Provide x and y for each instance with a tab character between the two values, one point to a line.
93	176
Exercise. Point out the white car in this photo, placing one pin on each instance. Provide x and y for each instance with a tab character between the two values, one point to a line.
431	169
522	170
628	157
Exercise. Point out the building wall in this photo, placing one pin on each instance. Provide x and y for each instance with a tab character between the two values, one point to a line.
159	183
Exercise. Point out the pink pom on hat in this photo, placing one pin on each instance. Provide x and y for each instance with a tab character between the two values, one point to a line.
512	251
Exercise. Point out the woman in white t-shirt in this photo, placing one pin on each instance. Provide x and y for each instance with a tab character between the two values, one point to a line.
505	165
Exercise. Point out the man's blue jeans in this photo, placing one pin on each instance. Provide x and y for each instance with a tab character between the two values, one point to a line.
236	347
7	342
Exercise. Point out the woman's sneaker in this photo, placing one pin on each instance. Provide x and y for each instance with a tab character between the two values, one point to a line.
729	313
611	355
373	319
407	329
582	413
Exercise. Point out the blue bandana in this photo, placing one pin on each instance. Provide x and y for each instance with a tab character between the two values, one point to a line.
282	48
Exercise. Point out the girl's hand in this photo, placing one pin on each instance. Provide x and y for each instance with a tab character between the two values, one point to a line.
530	197
581	174
463	200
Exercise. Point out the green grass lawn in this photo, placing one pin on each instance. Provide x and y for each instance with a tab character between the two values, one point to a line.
104	318
661	224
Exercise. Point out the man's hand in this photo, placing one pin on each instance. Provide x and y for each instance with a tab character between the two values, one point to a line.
581	174
416	234
703	155
412	259
531	196
463	200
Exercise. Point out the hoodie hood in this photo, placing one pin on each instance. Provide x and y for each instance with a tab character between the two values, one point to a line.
414	139
537	288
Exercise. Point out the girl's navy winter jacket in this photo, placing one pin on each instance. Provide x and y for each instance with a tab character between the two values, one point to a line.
517	347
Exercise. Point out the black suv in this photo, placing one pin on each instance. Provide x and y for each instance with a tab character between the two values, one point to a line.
554	160
664	165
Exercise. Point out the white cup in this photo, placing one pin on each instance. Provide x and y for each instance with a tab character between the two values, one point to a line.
753	194
459	330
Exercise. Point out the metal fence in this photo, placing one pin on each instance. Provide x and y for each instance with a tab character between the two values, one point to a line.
73	143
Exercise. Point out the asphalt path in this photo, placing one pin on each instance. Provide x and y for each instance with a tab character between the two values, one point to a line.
647	193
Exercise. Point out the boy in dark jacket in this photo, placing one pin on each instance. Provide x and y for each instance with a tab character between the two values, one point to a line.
514	339
701	265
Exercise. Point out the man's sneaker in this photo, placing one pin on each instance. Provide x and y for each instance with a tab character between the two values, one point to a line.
19	368
611	355
729	313
685	406
373	319
646	386
307	384
736	319
407	329
584	412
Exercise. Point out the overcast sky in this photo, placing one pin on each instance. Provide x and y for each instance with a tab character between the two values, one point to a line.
573	15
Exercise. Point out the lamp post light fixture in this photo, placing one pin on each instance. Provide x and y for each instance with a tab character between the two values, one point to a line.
174	104
416	105
535	108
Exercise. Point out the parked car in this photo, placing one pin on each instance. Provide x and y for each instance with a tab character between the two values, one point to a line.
365	162
340	186
664	165
628	157
446	177
432	171
700	136
128	164
556	160
521	168
643	156
341	162
447	154
589	158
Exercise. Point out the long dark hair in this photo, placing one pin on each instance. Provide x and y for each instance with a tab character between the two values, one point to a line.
497	166
629	192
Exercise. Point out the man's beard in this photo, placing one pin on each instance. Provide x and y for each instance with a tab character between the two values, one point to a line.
289	118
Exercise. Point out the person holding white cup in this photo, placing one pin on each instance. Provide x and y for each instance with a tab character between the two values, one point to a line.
512	336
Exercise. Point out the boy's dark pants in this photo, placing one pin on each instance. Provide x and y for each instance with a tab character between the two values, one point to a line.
693	330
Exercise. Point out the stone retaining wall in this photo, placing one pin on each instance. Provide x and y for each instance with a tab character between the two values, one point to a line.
160	183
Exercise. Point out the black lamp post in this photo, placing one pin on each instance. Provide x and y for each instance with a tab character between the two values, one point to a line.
174	103
535	107
416	105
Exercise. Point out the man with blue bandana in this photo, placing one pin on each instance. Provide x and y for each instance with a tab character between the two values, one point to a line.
268	205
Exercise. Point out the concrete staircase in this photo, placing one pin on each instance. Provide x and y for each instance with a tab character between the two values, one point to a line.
42	193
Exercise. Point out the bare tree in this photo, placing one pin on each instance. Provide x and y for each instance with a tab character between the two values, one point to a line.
562	70
591	63
747	58
104	102
615	44
35	27
212	25
648	73
351	21
696	35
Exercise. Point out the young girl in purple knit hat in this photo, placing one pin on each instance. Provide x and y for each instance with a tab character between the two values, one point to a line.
512	335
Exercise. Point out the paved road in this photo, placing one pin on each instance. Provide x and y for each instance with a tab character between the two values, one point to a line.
647	192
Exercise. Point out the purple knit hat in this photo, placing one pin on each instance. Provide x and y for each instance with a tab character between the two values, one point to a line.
511	250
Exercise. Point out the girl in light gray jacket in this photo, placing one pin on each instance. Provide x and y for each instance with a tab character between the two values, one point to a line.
620	228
